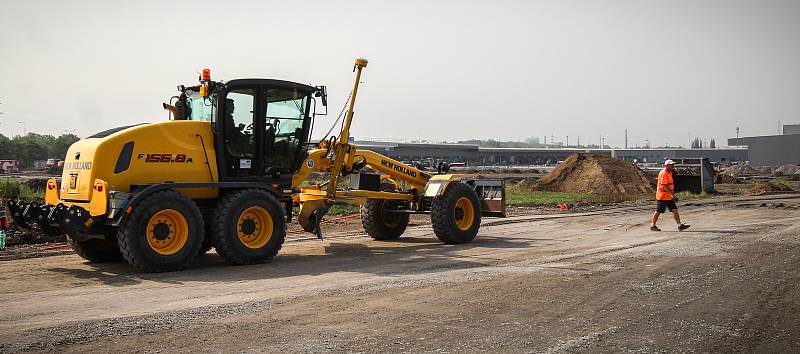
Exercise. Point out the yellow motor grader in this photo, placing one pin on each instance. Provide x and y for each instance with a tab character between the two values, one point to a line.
227	172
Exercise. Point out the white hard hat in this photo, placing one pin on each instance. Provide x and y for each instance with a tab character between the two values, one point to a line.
669	162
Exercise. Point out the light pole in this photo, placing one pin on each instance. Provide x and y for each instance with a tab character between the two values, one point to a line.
24	128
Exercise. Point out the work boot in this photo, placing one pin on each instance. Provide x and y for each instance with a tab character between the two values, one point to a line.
654	228
682	227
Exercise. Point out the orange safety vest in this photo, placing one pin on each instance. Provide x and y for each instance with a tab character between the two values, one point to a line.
665	186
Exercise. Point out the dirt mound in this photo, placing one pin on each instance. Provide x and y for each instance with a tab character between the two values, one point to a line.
785	170
528	184
769	187
765	170
17	236
596	174
726	179
741	169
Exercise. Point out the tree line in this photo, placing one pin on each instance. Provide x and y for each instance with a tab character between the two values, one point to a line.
35	147
697	143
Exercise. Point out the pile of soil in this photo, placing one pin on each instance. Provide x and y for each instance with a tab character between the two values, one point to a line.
765	170
786	170
17	236
769	187
741	169
596	174
528	184
726	179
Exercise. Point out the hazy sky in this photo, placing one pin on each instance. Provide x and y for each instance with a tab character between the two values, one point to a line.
441	70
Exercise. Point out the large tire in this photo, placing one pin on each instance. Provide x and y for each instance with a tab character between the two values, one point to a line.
249	227
96	250
456	215
380	224
163	233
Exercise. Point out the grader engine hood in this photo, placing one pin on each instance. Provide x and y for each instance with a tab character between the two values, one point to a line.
155	152
104	168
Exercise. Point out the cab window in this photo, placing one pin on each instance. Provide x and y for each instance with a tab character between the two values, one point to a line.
286	112
199	108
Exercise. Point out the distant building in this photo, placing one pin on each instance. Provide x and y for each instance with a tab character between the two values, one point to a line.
791	129
772	149
475	155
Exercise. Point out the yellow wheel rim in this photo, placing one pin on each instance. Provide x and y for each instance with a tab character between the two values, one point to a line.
465	213
167	232
254	227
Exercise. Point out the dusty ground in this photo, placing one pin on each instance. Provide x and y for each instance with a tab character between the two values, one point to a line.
553	283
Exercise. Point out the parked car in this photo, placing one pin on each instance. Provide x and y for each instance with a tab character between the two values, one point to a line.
52	163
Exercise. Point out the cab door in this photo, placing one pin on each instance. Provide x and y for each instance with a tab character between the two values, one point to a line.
239	123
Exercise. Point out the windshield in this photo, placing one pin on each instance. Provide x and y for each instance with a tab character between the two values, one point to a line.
199	107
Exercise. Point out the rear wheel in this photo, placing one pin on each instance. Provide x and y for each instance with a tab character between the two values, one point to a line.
456	215
249	227
96	250
380	222
163	233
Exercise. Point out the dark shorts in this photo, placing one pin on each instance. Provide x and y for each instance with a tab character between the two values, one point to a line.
662	205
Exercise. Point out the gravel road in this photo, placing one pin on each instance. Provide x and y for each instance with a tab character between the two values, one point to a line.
564	283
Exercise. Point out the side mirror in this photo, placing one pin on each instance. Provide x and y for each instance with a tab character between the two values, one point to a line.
177	111
323	94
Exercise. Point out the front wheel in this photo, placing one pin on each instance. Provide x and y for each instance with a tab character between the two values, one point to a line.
456	214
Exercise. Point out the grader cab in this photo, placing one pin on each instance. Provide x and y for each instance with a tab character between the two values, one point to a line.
226	173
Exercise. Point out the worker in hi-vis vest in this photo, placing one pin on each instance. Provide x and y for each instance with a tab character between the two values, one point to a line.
665	197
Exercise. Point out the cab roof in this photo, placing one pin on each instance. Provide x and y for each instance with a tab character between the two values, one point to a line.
273	83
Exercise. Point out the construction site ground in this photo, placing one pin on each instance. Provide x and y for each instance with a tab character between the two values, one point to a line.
567	282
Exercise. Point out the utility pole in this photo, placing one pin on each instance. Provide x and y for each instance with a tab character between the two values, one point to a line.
567	140
579	141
